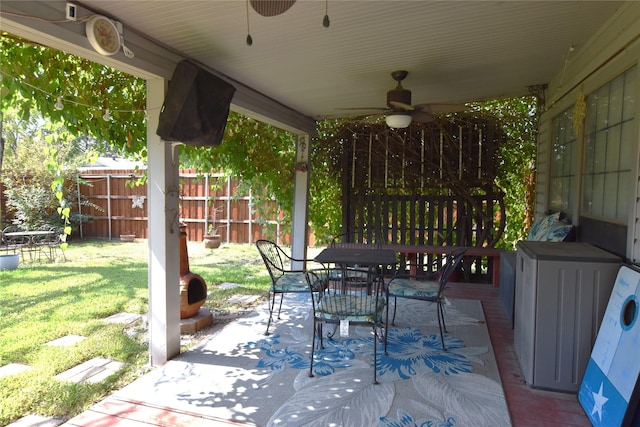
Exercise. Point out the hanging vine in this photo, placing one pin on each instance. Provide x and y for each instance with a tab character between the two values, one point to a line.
57	186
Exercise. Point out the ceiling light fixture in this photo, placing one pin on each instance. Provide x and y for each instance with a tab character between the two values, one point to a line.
398	121
270	8
267	8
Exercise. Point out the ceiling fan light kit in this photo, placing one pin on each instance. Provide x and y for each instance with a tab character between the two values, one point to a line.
399	94
399	112
398	121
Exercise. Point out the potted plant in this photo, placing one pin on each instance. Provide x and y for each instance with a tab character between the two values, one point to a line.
212	239
9	261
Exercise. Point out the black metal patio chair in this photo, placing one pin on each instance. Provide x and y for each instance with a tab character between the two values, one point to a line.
424	288
15	243
50	243
284	279
343	306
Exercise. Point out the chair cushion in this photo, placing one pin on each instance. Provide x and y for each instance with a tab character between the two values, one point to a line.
360	308
348	272
291	282
335	274
404	287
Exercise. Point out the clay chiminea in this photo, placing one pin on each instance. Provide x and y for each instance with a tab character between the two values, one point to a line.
193	288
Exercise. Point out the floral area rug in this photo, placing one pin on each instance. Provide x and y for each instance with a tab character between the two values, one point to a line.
240	374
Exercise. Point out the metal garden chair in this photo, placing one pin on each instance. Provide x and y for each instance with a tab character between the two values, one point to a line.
343	306
52	242
284	279
419	287
15	243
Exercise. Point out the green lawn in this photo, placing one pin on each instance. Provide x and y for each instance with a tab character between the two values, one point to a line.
40	302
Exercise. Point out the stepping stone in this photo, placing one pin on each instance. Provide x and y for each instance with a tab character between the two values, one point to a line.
125	318
228	285
66	341
37	421
242	299
12	369
91	371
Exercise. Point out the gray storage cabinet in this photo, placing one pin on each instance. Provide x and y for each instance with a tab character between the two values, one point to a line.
562	291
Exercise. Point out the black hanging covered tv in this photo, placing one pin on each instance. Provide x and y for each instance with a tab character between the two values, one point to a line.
196	106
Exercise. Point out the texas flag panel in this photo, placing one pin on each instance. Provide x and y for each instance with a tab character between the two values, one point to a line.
609	392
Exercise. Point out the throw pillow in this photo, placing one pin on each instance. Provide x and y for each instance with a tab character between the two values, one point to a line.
542	225
557	232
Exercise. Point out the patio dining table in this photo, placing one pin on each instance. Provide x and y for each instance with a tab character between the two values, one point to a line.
372	257
30	240
31	235
360	259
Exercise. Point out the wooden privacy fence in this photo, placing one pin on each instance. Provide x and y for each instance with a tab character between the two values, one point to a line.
113	207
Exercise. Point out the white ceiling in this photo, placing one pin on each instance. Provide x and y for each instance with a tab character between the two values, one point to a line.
455	51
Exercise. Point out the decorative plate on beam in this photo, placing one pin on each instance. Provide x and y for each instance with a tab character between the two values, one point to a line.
103	35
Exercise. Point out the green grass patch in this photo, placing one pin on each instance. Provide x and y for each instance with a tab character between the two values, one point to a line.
40	302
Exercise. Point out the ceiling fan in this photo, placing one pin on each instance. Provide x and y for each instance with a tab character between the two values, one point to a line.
399	113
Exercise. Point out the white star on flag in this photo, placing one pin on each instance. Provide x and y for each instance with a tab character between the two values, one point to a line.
598	402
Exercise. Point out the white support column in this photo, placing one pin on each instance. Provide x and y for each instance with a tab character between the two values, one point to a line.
300	200
164	257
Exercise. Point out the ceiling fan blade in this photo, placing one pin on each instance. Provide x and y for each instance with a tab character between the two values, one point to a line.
422	116
360	117
370	118
441	108
401	106
399	103
363	108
